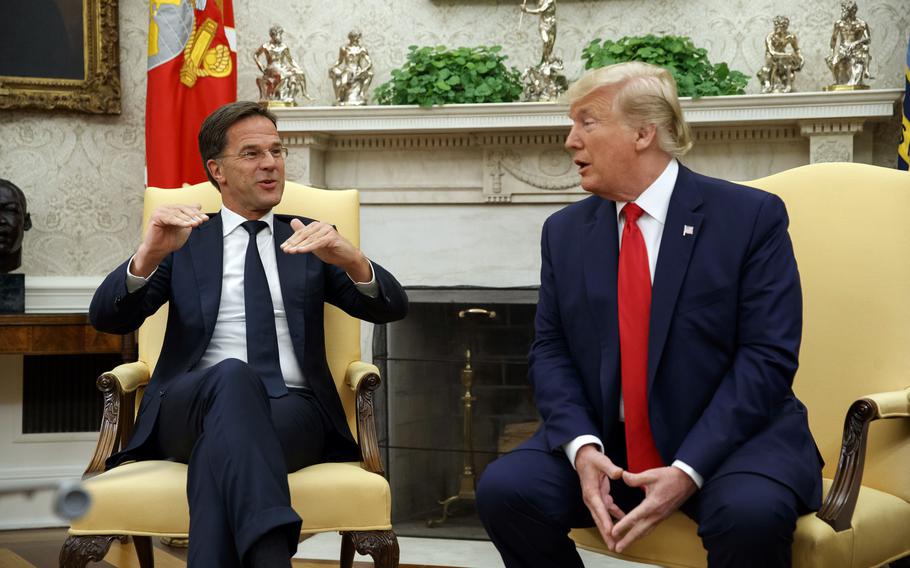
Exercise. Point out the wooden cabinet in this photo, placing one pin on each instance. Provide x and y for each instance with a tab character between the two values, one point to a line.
59	334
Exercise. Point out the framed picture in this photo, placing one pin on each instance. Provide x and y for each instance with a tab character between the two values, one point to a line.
60	54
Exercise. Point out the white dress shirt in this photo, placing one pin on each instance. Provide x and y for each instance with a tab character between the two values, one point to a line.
654	201
229	336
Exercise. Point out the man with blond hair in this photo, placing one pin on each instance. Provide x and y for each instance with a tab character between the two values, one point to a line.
667	337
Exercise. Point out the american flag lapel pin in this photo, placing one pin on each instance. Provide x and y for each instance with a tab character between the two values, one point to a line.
688	230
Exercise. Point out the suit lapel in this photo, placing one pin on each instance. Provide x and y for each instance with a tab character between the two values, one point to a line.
291	275
601	246
601	257
681	230
207	251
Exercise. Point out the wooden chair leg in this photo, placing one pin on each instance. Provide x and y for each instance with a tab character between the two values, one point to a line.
382	546
347	551
77	551
144	551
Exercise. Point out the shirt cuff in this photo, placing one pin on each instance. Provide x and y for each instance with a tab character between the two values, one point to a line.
696	477
571	448
371	288
134	282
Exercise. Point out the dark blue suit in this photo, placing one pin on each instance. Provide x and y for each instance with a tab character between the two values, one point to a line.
190	279
726	319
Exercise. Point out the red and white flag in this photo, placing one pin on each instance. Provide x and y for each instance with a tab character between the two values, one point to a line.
192	70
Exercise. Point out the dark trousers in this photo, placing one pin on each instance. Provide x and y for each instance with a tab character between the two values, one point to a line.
528	501
239	445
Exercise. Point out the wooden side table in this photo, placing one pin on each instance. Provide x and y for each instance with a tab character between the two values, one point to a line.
60	334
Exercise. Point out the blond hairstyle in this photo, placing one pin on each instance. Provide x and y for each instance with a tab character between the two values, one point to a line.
646	95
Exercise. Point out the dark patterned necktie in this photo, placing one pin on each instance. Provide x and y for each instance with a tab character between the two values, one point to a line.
261	337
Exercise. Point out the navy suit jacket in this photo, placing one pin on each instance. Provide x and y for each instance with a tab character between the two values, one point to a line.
190	279
726	321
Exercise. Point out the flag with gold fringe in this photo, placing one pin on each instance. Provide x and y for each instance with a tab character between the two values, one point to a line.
192	70
903	150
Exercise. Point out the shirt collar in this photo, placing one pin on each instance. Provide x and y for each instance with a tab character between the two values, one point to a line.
655	200
230	221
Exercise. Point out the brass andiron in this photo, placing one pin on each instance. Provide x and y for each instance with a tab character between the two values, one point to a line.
468	479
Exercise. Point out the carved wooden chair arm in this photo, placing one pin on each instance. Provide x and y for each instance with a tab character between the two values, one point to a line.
837	508
130	376
894	404
363	379
119	389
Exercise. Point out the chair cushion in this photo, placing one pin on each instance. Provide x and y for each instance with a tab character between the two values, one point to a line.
149	498
880	533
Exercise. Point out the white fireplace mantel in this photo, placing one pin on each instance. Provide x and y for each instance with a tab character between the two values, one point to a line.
456	195
512	152
788	108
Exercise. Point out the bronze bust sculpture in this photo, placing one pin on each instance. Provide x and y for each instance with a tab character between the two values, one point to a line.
14	221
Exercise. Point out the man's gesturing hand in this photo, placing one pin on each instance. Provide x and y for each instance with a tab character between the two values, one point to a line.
666	489
324	241
595	471
168	229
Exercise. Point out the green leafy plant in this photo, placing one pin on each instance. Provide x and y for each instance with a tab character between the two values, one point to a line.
439	76
695	75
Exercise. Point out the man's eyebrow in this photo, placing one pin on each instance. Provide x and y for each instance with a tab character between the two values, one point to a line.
581	112
251	146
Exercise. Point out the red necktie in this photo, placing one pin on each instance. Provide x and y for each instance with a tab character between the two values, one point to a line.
634	298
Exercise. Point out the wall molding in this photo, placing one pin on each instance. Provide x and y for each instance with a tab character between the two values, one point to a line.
23	511
43	474
59	294
758	133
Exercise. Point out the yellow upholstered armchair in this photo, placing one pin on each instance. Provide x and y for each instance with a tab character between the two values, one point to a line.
148	499
850	230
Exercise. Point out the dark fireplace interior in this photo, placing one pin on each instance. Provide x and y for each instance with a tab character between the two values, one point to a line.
421	408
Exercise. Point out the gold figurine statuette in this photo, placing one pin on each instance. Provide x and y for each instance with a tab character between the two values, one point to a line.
352	73
544	82
282	80
780	65
546	27
849	58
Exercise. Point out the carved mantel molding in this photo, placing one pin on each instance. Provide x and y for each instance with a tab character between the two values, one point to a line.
512	152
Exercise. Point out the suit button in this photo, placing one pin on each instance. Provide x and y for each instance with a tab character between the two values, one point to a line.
161	392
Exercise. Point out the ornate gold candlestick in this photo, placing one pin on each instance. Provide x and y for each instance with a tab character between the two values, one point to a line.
468	479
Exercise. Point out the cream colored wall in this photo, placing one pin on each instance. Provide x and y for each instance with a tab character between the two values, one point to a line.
83	174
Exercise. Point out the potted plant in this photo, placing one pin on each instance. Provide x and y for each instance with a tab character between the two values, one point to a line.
439	76
695	75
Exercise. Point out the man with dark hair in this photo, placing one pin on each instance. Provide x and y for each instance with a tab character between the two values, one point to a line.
242	391
214	130
14	221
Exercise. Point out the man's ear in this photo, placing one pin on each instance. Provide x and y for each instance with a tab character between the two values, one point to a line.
645	136
214	167
27	222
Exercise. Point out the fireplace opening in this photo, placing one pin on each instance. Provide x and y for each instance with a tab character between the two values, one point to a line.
454	395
